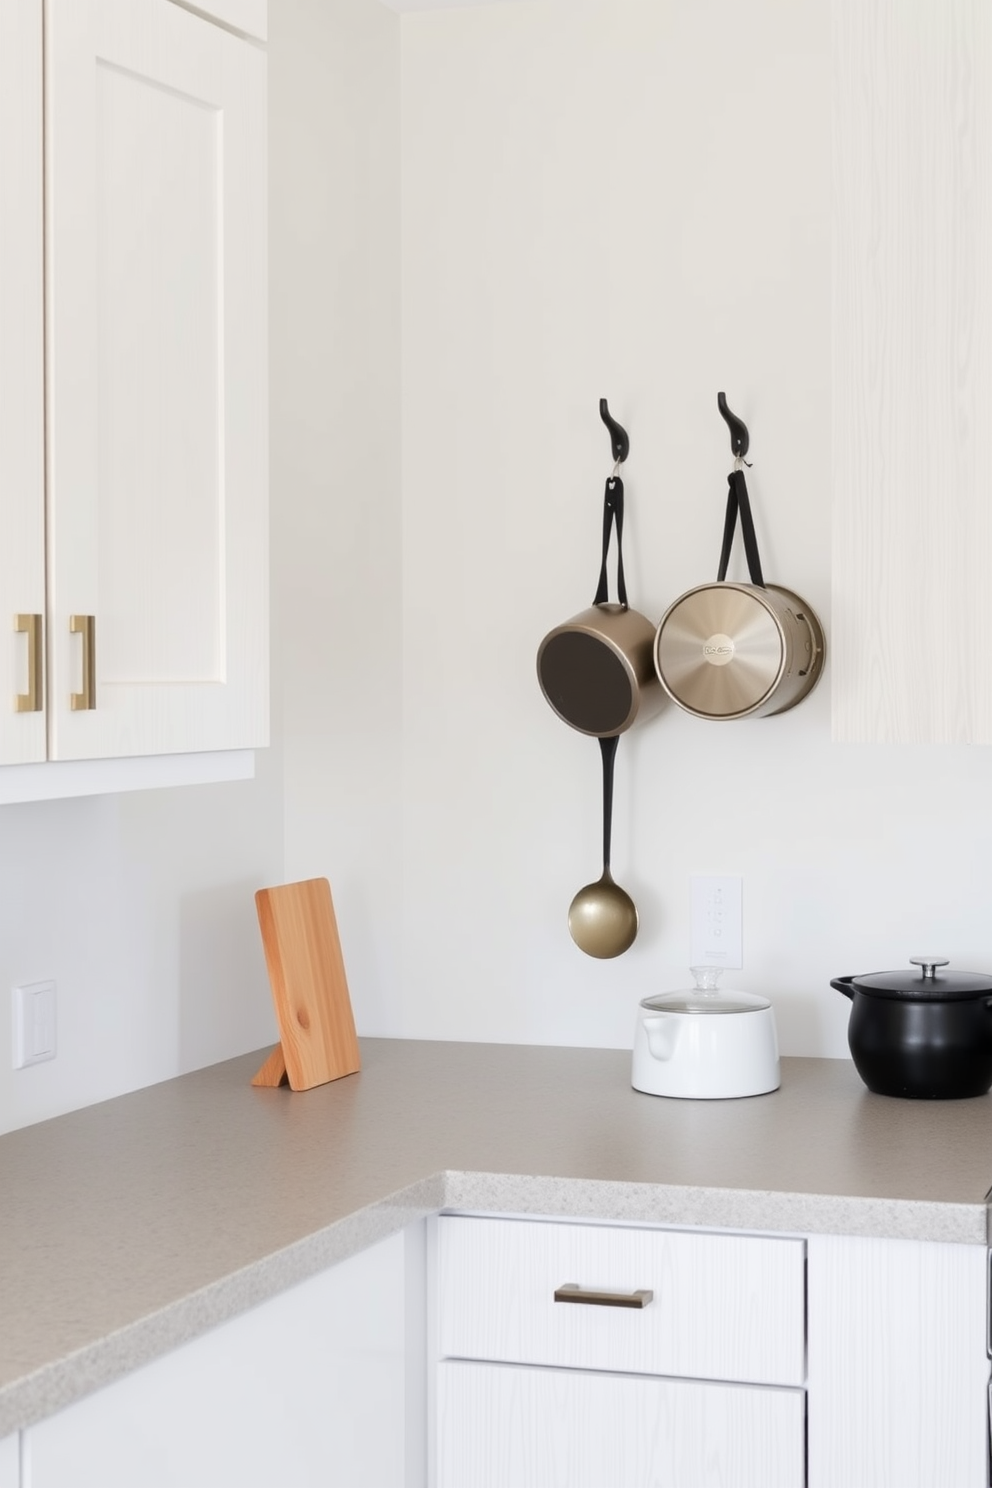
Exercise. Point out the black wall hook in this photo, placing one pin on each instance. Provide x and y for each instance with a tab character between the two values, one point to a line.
738	429
618	436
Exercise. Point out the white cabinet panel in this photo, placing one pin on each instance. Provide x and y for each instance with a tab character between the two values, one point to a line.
249	16
898	1370
22	384
156	380
308	1389
10	1462
724	1306
502	1426
912	370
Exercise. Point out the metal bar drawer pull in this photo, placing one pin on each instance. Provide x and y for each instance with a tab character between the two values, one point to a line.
572	1292
85	626
30	701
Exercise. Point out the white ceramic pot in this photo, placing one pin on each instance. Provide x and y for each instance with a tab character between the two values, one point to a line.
706	1044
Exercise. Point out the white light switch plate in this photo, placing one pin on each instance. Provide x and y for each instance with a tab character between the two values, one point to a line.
34	1023
717	920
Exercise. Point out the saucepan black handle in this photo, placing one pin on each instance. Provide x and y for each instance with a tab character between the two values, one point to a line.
844	984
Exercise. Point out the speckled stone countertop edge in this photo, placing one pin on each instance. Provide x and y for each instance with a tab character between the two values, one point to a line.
70	1378
718	1208
63	1381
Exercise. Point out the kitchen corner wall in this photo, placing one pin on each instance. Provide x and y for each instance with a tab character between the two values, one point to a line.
140	907
626	199
335	311
599	197
633	199
483	220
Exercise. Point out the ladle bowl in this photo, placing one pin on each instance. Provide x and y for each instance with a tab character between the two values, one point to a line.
602	918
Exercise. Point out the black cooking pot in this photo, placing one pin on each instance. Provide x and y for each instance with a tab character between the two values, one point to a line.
923	1035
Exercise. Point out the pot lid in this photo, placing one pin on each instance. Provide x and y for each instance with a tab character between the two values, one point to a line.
719	650
705	997
927	984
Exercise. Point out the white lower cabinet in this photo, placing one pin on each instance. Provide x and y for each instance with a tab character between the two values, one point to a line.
10	1457
898	1364
833	1361
676	1359
614	1357
503	1426
312	1387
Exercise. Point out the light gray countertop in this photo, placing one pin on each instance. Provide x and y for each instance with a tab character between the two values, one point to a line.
129	1227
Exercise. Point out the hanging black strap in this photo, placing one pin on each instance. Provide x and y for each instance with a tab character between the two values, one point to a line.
612	511
737	500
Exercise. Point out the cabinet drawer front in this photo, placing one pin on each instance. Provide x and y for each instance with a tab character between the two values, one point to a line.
723	1307
502	1426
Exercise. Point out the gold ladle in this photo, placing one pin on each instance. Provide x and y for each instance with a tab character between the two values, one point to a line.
602	918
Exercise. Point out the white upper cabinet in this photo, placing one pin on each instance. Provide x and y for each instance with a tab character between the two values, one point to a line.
156	377
133	393
22	381
248	16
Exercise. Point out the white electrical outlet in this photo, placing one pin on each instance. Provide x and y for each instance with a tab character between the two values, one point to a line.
34	1023
717	920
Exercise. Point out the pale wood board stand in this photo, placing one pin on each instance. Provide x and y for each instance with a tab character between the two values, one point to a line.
309	987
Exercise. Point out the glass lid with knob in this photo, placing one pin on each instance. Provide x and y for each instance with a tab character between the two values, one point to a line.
705	997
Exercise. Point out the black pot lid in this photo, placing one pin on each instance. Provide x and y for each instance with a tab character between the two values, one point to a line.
929	983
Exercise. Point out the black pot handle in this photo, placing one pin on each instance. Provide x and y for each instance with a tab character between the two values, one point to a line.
612	512
844	984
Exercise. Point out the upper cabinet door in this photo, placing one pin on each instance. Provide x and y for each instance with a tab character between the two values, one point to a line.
22	387
248	16
157	422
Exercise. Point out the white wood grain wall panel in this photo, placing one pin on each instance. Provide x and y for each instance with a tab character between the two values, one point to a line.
898	1371
912	370
505	1427
724	1306
22	383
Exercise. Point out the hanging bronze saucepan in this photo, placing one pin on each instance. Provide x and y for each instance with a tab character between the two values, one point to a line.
597	669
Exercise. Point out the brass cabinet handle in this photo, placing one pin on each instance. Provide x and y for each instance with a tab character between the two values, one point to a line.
571	1292
85	625
30	701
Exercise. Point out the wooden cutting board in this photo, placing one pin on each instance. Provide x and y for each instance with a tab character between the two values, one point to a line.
309	987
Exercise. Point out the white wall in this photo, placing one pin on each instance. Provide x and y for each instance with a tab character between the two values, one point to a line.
631	199
334	97
140	907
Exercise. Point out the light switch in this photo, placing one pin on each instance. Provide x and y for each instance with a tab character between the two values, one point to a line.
717	921
34	1023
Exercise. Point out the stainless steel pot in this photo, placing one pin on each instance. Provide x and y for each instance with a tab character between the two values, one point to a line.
735	650
925	1035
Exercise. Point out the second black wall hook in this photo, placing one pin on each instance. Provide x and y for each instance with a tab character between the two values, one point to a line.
738	428
618	435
